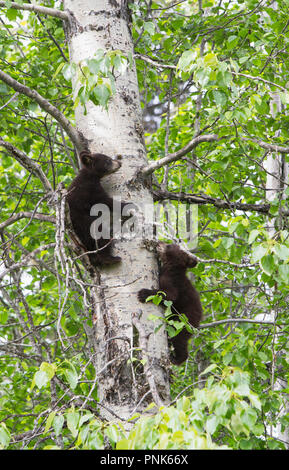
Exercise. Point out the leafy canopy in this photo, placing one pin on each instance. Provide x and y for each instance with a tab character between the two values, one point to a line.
203	68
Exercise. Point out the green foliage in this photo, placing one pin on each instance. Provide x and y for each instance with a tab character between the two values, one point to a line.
217	72
225	414
96	76
173	325
198	422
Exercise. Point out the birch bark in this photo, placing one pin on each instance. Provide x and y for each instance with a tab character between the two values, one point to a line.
103	24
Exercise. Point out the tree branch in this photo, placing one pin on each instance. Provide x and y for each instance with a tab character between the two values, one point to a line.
160	65
46	105
27	260
27	215
37	9
151	167
160	195
235	320
27	163
154	62
251	77
215	260
222	261
266	146
147	170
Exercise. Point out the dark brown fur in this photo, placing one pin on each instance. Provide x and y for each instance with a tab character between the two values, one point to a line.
178	289
85	191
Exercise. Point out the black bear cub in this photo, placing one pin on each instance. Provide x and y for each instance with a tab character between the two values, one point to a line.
85	191
178	289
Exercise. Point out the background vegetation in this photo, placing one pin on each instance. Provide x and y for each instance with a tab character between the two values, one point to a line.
204	68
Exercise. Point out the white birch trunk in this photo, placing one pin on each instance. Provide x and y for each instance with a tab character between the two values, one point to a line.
102	24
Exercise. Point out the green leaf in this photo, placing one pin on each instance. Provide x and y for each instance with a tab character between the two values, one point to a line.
3	316
59	68
68	71
232	41
40	379
94	65
244	59
252	236
217	344
72	418
208	369
227	78
49	369
168	304
83	419
282	251
72	378
284	273
210	59
12	14
249	417
25	240
246	444
267	264
149	27
51	447
102	94
258	252
123	444
227	242
112	432
237	424
242	389
4	435
254	399
211	424
227	358
49	421
186	59
150	406
58	422
220	98
71	374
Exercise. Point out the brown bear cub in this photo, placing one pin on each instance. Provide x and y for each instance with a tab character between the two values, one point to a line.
85	191
178	289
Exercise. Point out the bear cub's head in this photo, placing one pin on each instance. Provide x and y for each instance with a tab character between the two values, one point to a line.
100	165
173	255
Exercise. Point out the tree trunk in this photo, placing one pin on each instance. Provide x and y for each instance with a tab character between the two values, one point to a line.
121	385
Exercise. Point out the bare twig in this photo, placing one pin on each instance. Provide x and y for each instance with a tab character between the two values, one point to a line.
27	260
27	215
201	199
37	9
26	162
172	157
153	62
9	101
60	255
267	146
251	77
236	320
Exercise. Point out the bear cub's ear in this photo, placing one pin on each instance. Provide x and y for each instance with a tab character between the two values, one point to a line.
192	262
86	158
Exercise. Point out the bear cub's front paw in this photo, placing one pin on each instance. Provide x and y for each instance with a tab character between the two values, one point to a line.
143	294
